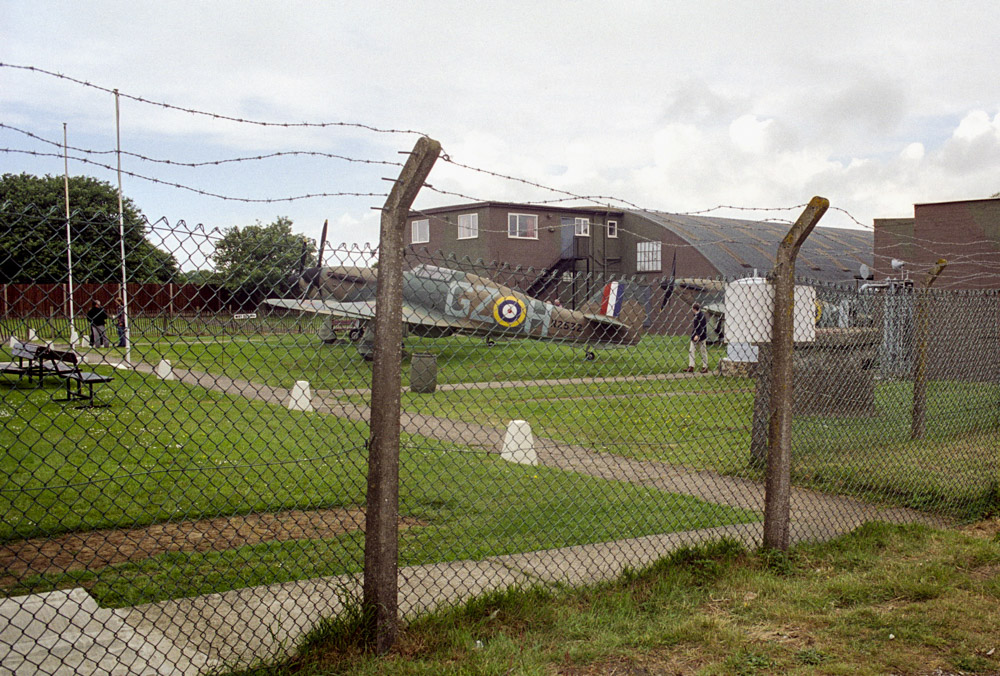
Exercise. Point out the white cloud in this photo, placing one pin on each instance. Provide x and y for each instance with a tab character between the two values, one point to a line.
750	134
669	107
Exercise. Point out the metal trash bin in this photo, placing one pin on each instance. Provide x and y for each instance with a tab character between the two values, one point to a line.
423	372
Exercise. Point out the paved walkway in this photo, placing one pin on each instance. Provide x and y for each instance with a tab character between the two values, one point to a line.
240	627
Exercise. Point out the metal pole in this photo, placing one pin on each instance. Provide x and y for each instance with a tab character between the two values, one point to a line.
121	229
779	434
69	251
381	522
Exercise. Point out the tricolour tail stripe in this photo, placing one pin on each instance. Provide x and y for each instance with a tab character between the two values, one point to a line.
611	304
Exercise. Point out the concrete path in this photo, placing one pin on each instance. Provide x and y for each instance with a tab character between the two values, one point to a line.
245	626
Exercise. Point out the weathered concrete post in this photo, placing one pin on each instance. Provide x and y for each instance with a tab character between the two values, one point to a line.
379	604
761	408
779	432
918	426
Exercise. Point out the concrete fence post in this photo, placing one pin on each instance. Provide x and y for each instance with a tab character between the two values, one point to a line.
779	434
380	603
918	426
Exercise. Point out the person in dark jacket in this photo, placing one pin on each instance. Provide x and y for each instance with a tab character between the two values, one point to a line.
98	318
120	326
699	338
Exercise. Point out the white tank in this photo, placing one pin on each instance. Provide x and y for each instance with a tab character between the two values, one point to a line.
749	304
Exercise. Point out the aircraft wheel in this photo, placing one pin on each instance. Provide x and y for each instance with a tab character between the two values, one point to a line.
490	342
590	355
355	335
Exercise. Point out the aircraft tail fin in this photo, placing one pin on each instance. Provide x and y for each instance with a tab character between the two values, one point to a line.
611	299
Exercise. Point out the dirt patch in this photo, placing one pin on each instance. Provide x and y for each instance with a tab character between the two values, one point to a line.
100	548
990	528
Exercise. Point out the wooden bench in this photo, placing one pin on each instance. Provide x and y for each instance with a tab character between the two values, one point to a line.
66	364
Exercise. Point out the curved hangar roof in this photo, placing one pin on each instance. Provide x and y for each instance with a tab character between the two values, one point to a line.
737	247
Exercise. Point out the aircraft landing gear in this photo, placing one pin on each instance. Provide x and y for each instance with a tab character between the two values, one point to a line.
354	335
590	355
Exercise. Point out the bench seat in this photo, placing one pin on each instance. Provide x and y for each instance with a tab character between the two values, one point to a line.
66	364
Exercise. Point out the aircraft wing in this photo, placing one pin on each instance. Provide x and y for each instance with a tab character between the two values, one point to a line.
365	309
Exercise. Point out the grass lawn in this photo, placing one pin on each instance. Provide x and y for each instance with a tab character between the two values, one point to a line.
281	360
884	599
166	452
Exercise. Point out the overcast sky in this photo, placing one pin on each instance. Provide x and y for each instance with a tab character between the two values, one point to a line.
663	105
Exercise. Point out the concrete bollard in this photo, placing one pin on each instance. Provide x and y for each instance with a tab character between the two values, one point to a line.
32	335
519	444
85	342
423	373
13	342
74	337
165	371
300	398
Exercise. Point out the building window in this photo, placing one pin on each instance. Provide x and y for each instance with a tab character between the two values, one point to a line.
581	226
522	226
647	256
421	231
612	229
468	226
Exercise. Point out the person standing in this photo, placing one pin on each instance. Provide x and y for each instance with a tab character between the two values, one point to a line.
699	338
120	326
98	318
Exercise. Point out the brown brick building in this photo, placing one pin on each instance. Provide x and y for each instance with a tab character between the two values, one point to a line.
567	253
965	233
628	243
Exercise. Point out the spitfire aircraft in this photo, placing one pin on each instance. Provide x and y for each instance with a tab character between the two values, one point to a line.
441	302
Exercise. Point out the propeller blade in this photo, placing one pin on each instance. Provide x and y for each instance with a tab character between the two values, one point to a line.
322	244
302	257
668	287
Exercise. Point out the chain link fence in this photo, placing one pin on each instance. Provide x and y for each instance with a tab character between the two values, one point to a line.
191	496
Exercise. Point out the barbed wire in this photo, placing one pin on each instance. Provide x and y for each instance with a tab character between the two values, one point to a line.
249	158
217	116
198	191
609	201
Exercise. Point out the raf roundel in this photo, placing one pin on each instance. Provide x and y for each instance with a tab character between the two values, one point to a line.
508	311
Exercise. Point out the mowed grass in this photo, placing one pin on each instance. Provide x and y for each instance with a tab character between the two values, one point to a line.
883	599
283	359
701	423
167	452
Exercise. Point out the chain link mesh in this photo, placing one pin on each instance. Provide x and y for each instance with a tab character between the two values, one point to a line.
205	506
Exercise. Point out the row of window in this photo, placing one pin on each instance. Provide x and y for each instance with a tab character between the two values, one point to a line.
648	255
519	226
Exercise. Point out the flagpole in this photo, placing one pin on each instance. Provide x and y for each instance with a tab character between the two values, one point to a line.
121	228
69	252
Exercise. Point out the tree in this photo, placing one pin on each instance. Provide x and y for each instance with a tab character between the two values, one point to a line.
257	259
33	233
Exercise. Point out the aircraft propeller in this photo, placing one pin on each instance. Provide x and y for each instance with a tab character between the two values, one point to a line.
312	274
668	286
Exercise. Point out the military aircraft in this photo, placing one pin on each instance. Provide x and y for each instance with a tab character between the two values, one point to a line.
439	302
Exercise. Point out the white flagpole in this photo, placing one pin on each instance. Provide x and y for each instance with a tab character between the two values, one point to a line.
121	229
69	252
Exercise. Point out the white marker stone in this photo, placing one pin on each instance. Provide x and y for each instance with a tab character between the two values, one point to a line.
32	335
165	371
13	342
300	398
519	444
